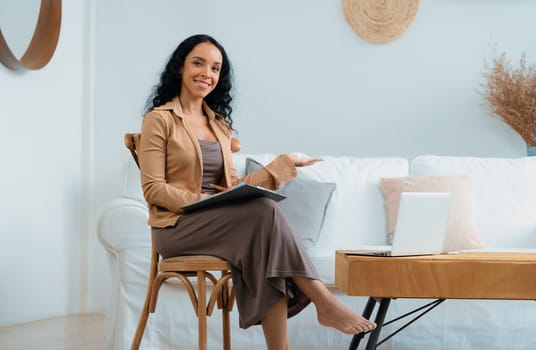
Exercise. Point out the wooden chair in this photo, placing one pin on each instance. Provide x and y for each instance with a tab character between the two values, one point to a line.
183	268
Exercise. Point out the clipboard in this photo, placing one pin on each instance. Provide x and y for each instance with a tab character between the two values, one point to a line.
239	192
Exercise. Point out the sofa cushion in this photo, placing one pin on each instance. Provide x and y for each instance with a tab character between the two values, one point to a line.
504	193
461	232
305	206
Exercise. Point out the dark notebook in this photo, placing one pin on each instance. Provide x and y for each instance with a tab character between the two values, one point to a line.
240	191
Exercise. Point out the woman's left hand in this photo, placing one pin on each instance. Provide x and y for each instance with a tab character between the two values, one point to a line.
301	162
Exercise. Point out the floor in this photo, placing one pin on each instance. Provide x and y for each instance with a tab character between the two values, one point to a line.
82	332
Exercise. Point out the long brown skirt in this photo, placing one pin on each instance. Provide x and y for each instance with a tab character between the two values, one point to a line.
254	236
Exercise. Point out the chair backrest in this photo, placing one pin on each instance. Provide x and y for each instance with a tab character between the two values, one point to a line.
132	140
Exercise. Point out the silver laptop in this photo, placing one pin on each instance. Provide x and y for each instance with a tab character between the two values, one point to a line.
421	224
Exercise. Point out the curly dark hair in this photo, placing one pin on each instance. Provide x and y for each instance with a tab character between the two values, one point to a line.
219	100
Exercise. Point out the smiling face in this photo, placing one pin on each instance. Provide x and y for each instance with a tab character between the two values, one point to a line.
201	70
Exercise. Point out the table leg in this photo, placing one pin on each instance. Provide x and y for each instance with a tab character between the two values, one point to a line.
380	319
356	339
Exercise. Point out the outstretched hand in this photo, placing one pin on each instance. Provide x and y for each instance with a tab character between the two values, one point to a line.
301	162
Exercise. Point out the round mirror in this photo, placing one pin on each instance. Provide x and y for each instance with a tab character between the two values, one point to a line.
29	32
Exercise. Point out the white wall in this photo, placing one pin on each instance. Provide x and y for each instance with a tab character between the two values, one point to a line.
43	192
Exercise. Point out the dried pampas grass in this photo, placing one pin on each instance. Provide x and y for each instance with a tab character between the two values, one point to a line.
510	94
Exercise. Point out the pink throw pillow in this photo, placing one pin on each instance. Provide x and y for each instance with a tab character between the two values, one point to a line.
461	230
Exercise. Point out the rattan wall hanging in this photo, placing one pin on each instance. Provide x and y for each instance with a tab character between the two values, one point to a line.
380	21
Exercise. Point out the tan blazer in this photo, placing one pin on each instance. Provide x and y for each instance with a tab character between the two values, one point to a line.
171	164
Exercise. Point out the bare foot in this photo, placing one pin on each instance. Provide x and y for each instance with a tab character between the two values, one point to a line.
338	316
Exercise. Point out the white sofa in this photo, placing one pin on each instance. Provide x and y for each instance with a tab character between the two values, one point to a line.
504	202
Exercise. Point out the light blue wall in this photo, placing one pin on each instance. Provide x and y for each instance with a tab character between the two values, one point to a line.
44	198
305	82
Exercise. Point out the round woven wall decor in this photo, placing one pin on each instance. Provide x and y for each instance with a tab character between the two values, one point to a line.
380	21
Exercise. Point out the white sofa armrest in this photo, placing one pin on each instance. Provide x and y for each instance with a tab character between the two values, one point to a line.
122	223
123	231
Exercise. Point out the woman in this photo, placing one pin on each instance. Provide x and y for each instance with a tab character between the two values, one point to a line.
185	155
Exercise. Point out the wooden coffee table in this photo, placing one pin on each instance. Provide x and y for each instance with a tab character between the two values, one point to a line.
466	275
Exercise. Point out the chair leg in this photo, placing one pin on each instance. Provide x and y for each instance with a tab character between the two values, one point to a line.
143	318
226	330
226	321
202	310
